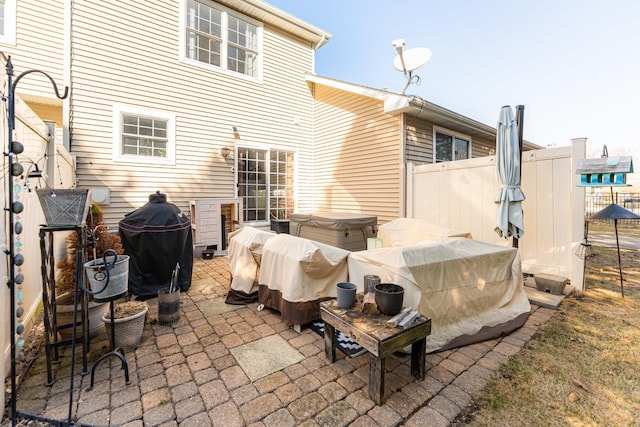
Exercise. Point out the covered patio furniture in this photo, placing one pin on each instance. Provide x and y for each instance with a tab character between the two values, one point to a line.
471	290
296	274
245	253
409	231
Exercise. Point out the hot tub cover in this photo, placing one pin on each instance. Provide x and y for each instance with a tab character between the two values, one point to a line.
156	237
296	274
334	220
245	253
471	290
409	231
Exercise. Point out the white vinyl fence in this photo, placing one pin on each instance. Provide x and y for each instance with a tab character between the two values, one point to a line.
460	195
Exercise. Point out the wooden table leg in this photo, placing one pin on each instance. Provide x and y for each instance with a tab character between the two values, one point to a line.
329	342
376	379
418	358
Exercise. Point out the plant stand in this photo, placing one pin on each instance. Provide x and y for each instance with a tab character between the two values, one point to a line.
81	301
115	351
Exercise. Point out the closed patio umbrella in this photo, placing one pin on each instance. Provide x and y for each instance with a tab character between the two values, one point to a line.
509	221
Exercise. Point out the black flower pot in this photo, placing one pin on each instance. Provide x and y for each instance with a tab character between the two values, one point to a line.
389	298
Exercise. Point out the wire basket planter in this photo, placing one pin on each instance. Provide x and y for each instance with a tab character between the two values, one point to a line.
64	207
128	330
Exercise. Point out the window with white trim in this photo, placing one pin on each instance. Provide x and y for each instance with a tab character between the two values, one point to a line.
218	37
143	136
449	146
265	183
8	22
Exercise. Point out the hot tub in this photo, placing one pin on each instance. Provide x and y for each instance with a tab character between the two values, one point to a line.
344	230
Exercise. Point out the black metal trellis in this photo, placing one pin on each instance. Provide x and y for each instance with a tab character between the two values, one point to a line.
14	148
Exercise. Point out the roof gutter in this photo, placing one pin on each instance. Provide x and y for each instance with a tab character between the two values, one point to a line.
270	14
414	105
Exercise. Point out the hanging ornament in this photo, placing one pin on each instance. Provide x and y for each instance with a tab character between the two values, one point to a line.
18	278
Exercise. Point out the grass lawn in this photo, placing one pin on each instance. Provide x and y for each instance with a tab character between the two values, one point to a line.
584	367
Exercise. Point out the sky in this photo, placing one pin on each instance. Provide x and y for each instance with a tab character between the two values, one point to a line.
573	64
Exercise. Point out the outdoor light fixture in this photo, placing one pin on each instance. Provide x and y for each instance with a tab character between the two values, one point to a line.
225	152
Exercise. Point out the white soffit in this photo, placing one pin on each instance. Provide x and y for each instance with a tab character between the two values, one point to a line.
270	14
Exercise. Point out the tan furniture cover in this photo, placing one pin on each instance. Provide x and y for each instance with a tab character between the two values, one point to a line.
471	290
409	231
296	274
244	253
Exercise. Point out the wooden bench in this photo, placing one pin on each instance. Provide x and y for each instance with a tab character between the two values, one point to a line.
380	340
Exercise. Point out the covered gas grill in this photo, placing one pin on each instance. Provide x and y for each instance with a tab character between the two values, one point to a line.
157	236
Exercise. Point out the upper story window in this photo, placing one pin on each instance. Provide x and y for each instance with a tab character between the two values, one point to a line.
8	22
449	146
143	136
218	37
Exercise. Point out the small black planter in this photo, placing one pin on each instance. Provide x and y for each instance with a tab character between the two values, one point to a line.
389	298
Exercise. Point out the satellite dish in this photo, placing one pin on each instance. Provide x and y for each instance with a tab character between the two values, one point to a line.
411	59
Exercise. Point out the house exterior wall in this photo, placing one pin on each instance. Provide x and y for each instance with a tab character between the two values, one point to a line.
419	144
40	28
131	59
483	147
356	156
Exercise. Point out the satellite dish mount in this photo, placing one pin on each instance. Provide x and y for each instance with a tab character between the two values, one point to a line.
409	61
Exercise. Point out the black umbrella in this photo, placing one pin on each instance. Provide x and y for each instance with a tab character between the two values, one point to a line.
616	212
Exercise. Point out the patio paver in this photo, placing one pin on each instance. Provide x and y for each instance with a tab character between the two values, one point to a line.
191	373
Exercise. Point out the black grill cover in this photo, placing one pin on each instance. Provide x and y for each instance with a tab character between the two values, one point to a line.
156	237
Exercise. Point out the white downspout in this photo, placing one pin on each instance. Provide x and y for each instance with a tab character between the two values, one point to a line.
404	197
66	74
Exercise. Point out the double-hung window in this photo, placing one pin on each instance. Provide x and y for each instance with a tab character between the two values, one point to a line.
8	22
215	36
266	183
449	146
143	136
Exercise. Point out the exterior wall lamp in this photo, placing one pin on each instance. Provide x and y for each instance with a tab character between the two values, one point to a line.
225	152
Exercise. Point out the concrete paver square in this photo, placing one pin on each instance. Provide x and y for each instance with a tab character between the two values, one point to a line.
265	356
216	306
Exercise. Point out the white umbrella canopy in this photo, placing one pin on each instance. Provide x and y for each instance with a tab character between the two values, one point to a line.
509	221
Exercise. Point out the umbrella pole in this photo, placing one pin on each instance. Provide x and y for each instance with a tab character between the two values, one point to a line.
519	123
615	224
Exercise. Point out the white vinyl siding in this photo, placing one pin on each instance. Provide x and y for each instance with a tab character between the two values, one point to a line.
129	58
8	22
357	155
220	38
38	43
419	141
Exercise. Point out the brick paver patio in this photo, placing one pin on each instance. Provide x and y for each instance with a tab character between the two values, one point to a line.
185	374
